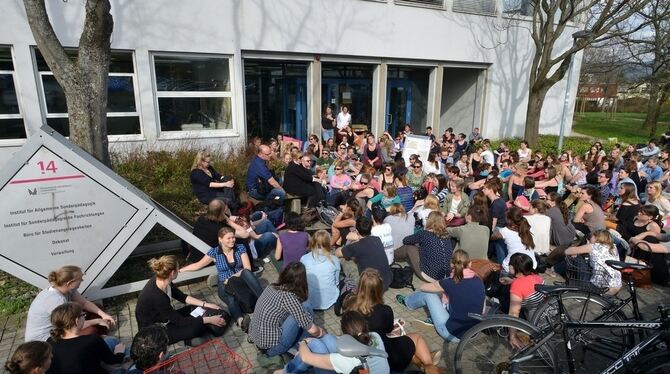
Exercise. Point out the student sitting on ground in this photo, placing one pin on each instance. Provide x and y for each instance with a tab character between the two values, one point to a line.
292	242
76	353
33	357
428	251
323	271
474	235
148	349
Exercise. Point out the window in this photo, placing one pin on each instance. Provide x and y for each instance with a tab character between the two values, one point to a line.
122	115
11	123
519	7
428	3
194	92
475	6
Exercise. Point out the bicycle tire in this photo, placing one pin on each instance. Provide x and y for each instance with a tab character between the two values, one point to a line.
485	349
654	363
586	306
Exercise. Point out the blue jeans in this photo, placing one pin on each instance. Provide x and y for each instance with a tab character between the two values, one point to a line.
324	345
327	134
438	313
233	307
267	242
276	192
291	333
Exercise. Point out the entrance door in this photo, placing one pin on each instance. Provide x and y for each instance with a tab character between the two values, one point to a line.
398	104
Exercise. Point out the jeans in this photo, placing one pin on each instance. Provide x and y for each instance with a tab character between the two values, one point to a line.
499	249
327	134
438	313
324	345
233	307
277	193
267	242
291	333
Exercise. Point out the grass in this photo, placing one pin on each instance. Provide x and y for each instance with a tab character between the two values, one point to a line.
626	127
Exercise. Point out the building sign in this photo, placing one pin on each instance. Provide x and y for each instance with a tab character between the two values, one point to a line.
60	206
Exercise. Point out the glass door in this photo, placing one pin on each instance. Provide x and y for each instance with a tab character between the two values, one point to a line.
398	104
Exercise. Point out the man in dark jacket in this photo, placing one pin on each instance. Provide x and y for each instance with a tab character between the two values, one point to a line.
300	181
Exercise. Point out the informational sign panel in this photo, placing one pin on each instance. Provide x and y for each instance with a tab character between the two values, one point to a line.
60	206
416	145
50	207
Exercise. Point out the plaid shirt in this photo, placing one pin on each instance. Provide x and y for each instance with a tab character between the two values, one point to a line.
272	309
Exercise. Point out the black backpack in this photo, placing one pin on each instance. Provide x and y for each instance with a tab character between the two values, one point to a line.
402	276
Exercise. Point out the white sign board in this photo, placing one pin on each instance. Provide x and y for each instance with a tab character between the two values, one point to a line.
60	206
416	145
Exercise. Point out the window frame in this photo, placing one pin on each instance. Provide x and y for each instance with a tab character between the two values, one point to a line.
111	137
14	141
232	132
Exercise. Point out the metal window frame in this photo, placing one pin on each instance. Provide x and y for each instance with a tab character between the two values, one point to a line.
14	141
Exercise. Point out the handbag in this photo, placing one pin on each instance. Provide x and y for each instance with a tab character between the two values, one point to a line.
641	278
402	276
484	268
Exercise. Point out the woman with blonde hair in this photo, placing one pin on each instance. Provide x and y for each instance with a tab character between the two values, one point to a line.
600	248
655	197
33	357
154	305
208	184
430	204
74	352
323	271
515	184
402	350
64	283
464	293
428	251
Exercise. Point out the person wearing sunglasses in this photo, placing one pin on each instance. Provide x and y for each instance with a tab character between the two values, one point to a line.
416	175
299	180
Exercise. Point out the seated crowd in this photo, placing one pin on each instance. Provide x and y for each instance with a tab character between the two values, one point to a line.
466	217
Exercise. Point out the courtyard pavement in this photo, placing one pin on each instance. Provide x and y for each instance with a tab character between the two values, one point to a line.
12	327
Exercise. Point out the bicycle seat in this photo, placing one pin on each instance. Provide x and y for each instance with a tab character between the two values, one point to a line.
626	267
350	347
549	289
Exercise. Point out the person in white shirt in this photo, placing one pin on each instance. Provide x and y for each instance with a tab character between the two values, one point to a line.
487	155
343	118
384	232
540	226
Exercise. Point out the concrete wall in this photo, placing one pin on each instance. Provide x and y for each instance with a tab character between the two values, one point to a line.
334	30
460	95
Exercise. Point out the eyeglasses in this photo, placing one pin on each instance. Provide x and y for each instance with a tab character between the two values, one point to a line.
388	169
417	166
365	182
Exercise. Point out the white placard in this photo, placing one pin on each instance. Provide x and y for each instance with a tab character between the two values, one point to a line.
416	145
57	215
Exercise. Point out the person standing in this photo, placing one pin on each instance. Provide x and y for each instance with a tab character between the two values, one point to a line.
343	123
328	123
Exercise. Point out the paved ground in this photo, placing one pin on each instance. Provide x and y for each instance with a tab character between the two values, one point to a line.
12	327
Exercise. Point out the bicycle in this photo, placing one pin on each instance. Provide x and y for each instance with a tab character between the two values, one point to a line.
486	347
589	304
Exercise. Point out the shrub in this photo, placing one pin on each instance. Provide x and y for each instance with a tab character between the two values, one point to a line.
549	144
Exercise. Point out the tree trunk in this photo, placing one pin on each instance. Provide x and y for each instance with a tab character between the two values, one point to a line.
653	114
84	82
652	108
533	112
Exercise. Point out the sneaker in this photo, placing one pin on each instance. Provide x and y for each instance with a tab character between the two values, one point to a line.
428	321
401	299
257	270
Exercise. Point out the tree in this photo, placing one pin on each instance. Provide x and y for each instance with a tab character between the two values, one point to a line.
600	20
650	48
84	79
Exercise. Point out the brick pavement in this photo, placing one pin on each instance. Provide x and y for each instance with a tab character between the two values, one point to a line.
12	327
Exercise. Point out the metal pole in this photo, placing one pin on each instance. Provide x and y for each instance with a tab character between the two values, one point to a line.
566	104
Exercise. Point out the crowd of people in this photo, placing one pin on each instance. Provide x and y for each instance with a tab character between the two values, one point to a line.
475	225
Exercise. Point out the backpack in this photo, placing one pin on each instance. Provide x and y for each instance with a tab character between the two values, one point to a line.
327	214
402	276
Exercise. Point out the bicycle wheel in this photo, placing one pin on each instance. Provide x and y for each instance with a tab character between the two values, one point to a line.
655	363
485	348
585	306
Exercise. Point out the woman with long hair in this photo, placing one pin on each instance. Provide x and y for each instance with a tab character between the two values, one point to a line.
516	237
405	192
402	350
456	205
64	285
515	183
154	304
402	224
416	175
627	209
372	154
322	353
33	357
231	260
76	353
323	271
464	292
655	197
345	221
432	165
282	317
208	184
590	216
600	248
428	251
647	224
387	177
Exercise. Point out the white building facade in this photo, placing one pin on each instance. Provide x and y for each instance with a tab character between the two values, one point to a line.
207	73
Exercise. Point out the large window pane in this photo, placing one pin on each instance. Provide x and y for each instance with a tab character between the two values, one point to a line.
351	85
276	98
187	114
521	7
120	95
475	6
8	99
53	95
12	129
407	98
120	62
192	74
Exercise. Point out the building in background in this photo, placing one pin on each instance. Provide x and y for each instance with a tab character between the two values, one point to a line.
215	72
